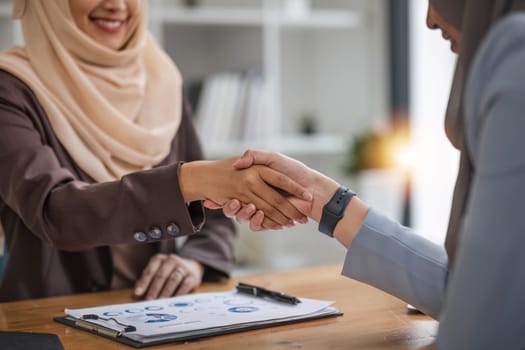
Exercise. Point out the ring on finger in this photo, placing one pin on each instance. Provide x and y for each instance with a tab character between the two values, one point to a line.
179	270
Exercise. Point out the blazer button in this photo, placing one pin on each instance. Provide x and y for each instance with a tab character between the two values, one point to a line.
155	233
140	236
173	229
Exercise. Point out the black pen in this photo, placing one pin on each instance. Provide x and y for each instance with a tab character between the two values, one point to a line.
260	292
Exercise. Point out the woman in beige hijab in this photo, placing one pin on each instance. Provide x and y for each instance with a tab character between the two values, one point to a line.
93	136
475	285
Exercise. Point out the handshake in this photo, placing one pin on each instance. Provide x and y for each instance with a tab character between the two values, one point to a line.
268	190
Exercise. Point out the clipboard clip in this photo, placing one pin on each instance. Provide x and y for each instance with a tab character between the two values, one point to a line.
260	292
127	327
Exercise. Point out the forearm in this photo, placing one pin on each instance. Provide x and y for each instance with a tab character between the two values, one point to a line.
385	254
190	179
74	215
393	258
79	215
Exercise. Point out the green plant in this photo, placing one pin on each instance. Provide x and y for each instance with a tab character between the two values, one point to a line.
372	150
308	124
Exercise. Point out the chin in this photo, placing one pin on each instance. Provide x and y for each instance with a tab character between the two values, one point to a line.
110	45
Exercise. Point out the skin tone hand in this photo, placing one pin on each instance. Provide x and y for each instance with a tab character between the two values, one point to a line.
266	188
321	186
167	275
292	168
309	178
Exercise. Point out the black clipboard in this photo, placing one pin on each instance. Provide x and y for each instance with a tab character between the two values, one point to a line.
120	337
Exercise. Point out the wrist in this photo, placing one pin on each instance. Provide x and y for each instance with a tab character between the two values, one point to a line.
324	188
354	216
189	175
334	210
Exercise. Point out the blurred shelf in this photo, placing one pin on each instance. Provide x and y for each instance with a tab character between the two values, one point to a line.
235	16
238	16
293	145
320	19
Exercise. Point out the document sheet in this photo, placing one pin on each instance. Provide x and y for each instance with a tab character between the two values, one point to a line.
196	315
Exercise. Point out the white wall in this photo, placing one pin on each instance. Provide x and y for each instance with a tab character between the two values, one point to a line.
436	162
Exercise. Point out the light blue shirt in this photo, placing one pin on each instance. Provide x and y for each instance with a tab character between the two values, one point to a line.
481	303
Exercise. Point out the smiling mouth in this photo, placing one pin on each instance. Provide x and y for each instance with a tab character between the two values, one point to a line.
108	25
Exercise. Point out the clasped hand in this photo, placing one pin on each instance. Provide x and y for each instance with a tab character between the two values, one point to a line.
258	186
298	187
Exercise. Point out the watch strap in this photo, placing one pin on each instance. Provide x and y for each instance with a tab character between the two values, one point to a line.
334	210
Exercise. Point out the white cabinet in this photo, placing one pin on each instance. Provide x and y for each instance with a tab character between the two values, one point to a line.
322	61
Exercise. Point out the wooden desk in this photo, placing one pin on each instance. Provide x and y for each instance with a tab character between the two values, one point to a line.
372	319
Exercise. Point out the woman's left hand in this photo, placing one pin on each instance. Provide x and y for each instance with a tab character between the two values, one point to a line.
167	275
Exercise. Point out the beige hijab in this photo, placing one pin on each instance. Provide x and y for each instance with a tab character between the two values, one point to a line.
115	112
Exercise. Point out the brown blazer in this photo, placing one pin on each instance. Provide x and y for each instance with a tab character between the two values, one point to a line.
59	225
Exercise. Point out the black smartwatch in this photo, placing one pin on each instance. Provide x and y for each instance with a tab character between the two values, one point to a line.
334	210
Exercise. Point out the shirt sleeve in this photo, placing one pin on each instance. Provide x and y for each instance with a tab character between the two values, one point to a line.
486	292
75	215
393	258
